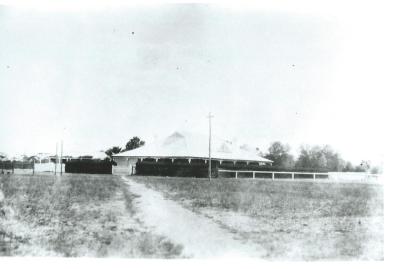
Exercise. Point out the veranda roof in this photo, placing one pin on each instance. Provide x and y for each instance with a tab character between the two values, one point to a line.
188	145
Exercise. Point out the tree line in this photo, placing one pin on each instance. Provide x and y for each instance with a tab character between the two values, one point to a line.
314	157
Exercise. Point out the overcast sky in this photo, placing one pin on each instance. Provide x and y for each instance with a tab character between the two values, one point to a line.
95	78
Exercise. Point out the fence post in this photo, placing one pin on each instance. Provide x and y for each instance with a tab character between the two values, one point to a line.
254	175
236	174
273	176
314	176
292	176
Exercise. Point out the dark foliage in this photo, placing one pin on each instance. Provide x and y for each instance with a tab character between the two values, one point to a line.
89	167
279	154
134	143
175	169
317	157
114	150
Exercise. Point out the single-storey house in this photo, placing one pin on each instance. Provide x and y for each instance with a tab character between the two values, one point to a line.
184	154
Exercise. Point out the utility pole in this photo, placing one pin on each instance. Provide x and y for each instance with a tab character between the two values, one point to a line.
55	160
209	145
61	154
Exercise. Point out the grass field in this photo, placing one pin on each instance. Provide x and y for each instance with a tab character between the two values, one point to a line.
74	215
97	216
291	220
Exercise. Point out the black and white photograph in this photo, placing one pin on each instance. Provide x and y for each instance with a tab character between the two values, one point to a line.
192	131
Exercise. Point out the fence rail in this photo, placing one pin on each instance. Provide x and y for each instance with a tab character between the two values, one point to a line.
330	175
314	174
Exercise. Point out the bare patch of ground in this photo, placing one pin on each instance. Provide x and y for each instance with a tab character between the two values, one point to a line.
200	236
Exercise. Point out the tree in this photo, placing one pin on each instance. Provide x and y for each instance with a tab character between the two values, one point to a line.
322	158
359	168
348	167
318	158
375	170
333	160
134	143
111	151
364	166
279	154
304	159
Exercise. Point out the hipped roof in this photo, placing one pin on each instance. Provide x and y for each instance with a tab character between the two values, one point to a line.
188	145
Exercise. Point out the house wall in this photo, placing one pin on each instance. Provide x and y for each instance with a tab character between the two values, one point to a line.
124	166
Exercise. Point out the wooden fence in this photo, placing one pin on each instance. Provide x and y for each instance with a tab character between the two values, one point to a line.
331	176
11	166
273	173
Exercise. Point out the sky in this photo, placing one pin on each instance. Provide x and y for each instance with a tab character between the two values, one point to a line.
96	77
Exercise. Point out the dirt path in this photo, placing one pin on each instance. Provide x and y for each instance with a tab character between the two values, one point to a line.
200	236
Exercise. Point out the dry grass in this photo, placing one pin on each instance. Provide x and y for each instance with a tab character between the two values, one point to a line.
291	220
74	215
268	199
